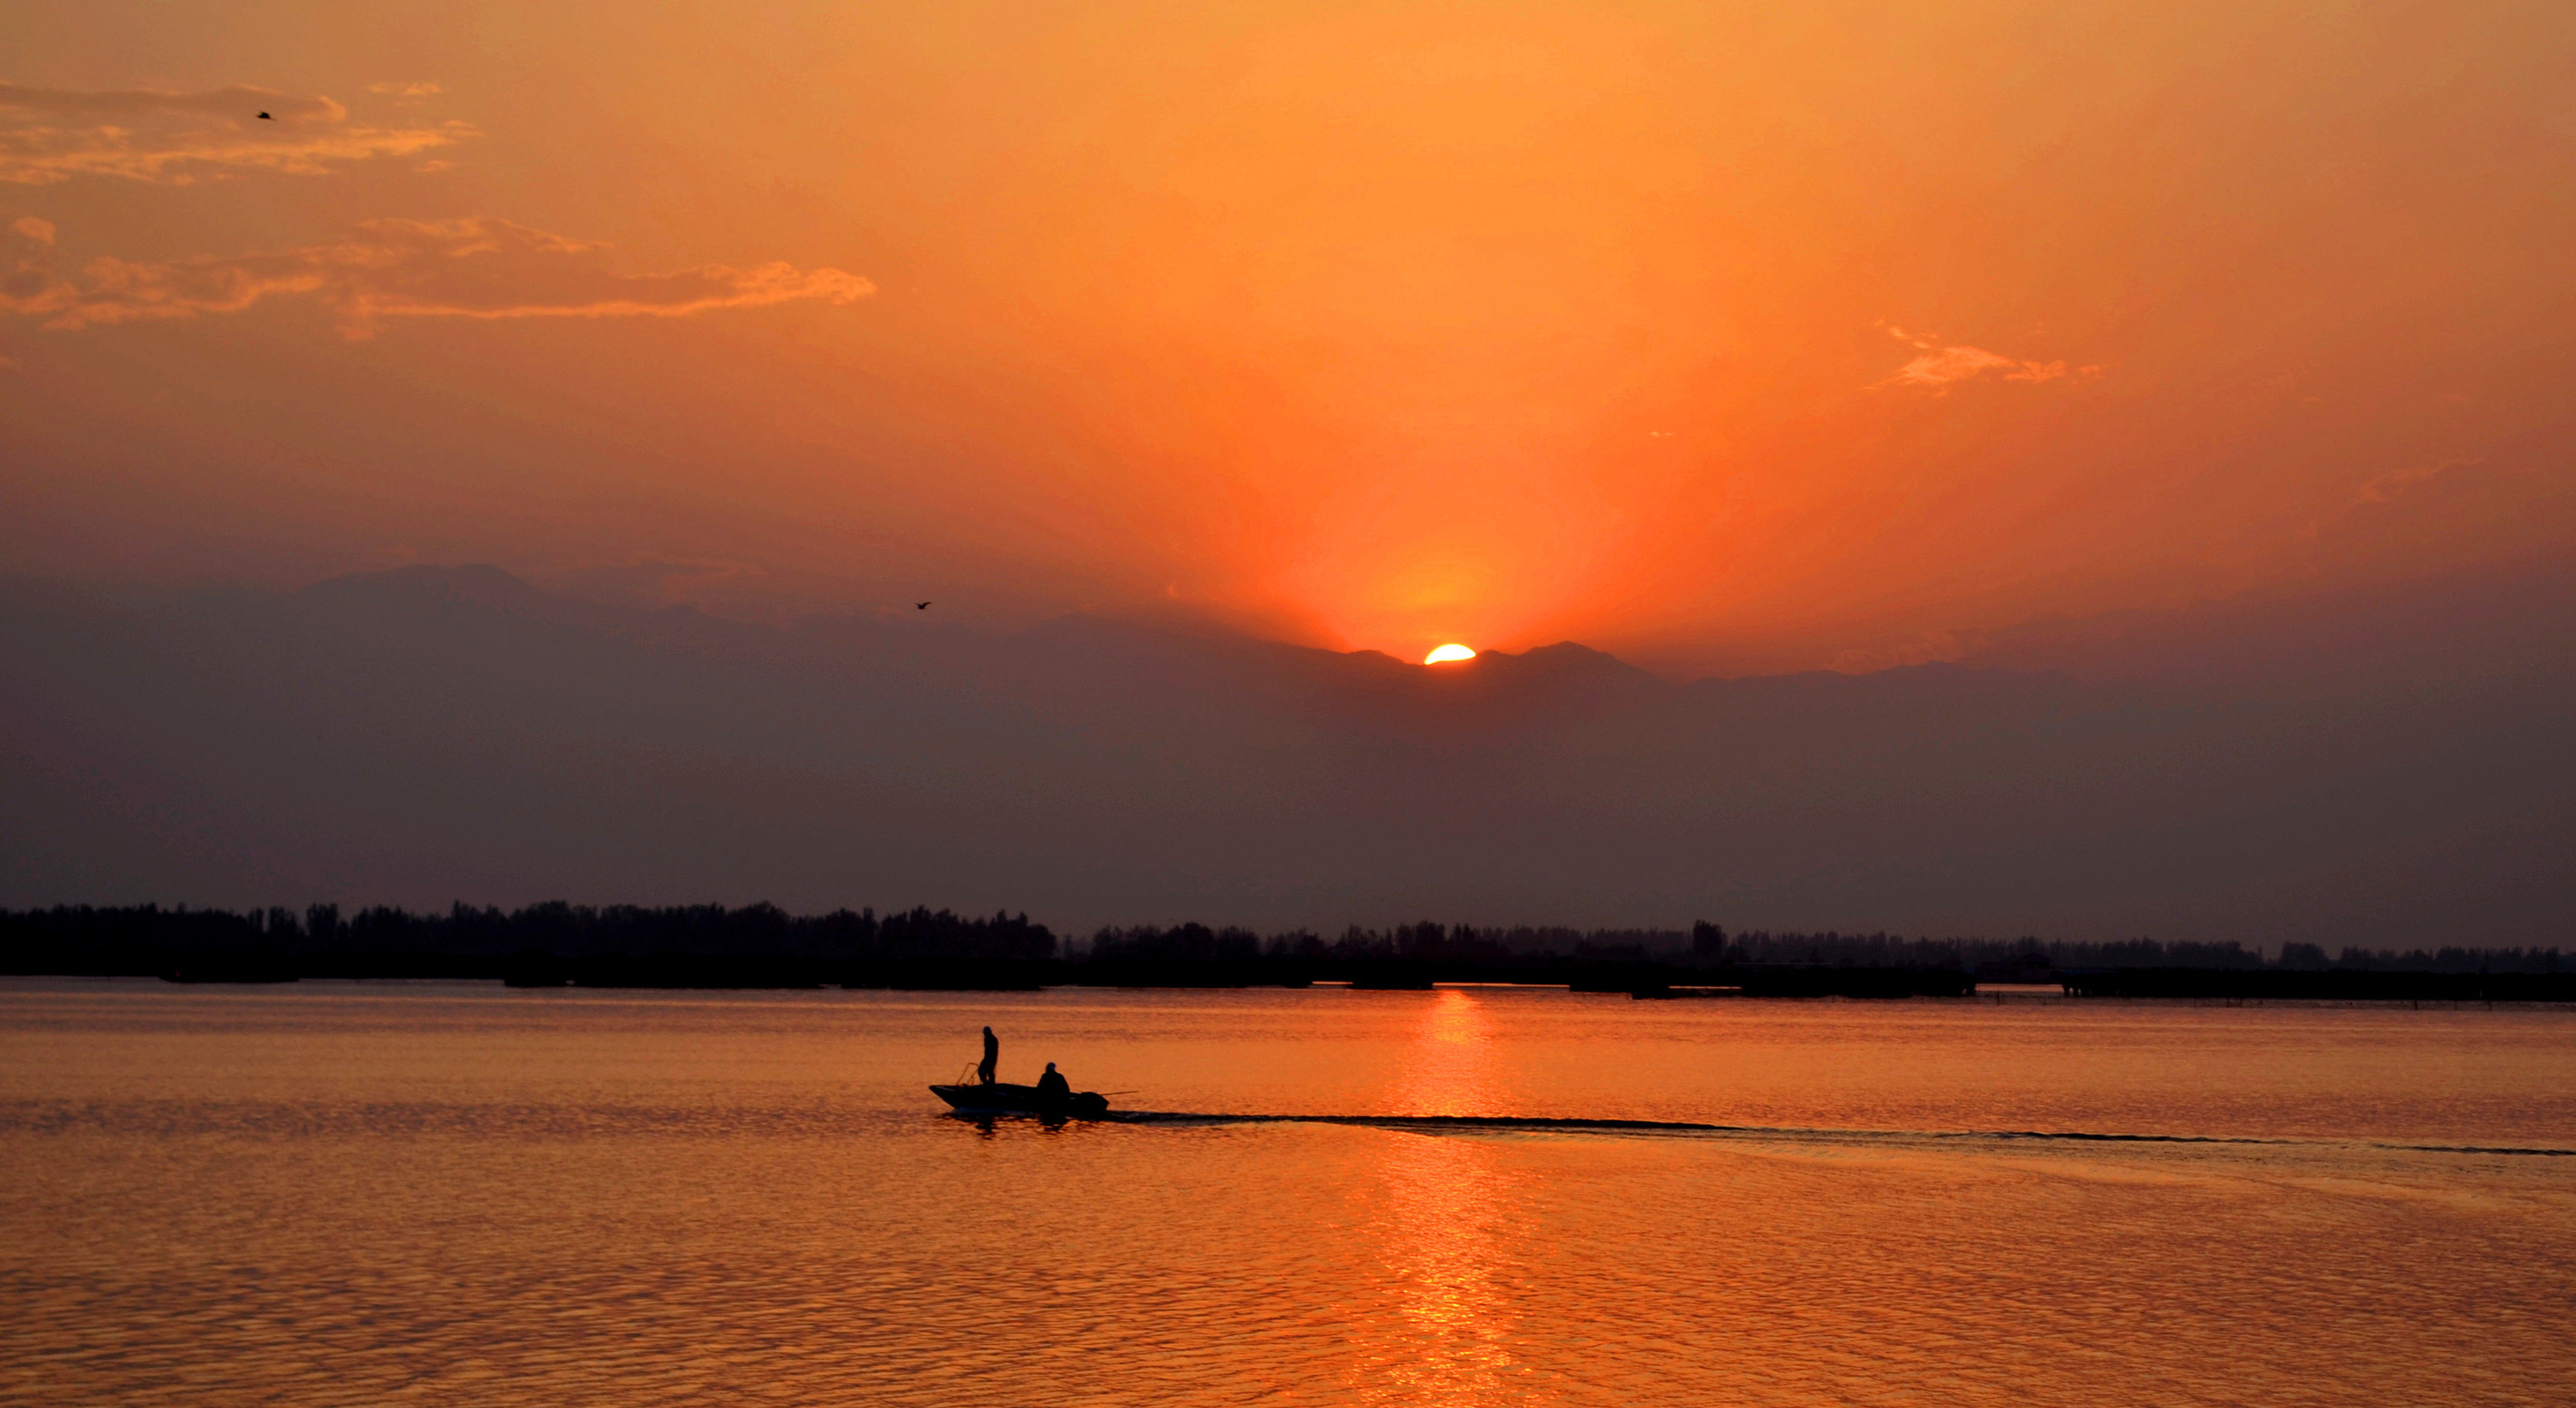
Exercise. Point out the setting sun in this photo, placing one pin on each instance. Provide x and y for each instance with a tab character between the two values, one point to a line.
1447	653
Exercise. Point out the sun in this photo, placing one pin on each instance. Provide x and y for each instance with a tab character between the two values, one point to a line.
1447	653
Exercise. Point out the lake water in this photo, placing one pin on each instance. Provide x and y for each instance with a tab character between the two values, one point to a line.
458	1194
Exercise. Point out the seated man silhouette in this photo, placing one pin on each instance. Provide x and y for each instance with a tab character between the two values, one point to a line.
1052	1086
992	1057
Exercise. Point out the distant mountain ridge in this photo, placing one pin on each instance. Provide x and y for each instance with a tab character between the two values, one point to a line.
436	734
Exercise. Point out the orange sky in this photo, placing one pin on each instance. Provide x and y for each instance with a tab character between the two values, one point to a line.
1727	338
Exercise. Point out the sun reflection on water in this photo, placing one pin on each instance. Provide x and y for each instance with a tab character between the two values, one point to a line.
1446	1201
1449	1069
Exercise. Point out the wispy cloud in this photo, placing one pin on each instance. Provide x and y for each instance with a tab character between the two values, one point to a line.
2474	486
471	268
34	228
1930	647
1938	367
2389	487
407	90
48	135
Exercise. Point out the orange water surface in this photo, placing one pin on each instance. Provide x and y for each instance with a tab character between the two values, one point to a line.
462	1195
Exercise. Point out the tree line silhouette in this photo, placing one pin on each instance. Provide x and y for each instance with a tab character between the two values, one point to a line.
549	944
761	945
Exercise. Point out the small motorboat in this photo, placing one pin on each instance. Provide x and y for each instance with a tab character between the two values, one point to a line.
977	1098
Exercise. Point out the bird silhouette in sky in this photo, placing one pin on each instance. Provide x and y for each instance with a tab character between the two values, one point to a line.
921	606
264	117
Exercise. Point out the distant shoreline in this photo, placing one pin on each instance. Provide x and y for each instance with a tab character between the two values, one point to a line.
2012	995
710	947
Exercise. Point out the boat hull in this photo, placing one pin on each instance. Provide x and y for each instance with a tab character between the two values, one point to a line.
1001	1099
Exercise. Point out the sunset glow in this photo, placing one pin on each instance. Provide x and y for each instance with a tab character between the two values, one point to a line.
1447	653
1717	338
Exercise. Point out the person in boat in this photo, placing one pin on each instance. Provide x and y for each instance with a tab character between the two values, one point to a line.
992	1057
1052	1087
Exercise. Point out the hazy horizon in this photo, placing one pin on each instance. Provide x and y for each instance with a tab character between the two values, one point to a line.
2382	766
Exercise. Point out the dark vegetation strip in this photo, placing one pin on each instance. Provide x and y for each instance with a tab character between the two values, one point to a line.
762	946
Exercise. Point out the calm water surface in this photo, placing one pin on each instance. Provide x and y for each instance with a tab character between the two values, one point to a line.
429	1194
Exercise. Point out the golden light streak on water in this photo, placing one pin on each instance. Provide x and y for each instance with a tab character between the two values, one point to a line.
1443	1202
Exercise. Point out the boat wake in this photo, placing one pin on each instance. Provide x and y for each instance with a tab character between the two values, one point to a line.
1510	1124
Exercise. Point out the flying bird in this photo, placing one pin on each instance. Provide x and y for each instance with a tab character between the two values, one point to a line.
921	606
264	117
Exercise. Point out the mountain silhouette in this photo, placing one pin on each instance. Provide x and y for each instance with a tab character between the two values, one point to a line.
434	734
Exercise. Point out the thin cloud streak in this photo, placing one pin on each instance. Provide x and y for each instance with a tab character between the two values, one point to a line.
470	268
1941	367
2389	487
52	135
237	101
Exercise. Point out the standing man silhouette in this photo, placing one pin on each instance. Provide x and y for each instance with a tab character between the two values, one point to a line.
992	1057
